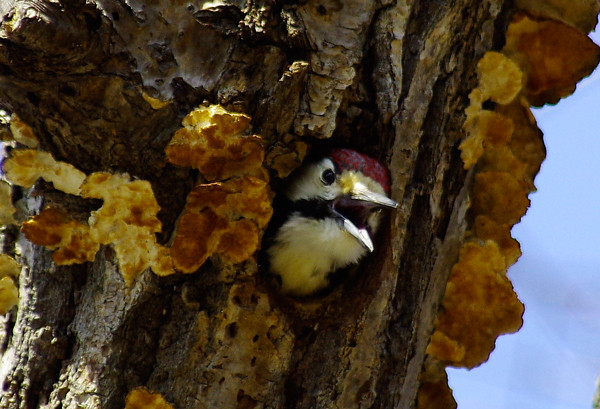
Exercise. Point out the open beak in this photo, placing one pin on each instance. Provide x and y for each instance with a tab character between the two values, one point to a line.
362	235
361	193
354	211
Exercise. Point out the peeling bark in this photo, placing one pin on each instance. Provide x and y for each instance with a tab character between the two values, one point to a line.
388	78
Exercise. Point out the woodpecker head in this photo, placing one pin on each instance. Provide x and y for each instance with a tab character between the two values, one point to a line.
335	207
353	188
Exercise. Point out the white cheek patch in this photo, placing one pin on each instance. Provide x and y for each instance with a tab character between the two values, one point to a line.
308	184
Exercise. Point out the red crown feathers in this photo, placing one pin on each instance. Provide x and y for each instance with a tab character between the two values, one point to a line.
349	159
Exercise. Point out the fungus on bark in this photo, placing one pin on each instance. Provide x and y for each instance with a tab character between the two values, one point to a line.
226	216
9	273
142	398
540	63
55	230
128	221
7	210
26	166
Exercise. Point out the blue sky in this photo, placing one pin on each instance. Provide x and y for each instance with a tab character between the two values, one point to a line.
554	361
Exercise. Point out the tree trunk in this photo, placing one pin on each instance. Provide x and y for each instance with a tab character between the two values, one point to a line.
105	84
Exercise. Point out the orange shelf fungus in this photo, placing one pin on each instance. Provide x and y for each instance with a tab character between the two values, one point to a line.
26	166
55	230
582	14
7	210
500	196
541	62
22	133
211	141
9	293
142	398
487	229
237	207
500	80
488	127
554	55
500	158
214	215
155	103
127	220
434	391
224	217
526	143
479	305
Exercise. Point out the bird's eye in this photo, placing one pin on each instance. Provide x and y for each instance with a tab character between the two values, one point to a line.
328	176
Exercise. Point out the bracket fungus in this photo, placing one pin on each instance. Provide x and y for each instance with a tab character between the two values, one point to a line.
223	217
127	216
22	133
212	141
236	206
25	166
500	81
541	62
581	14
70	239
479	304
499	196
127	220
9	293
142	398
554	56
7	210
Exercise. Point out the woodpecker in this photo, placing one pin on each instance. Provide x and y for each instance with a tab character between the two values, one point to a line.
331	210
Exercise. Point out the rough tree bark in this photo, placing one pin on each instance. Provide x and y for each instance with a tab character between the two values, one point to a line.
390	78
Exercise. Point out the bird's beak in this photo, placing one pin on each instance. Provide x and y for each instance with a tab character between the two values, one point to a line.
362	235
358	203
361	193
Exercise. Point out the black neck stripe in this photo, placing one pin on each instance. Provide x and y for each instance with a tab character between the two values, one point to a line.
315	208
